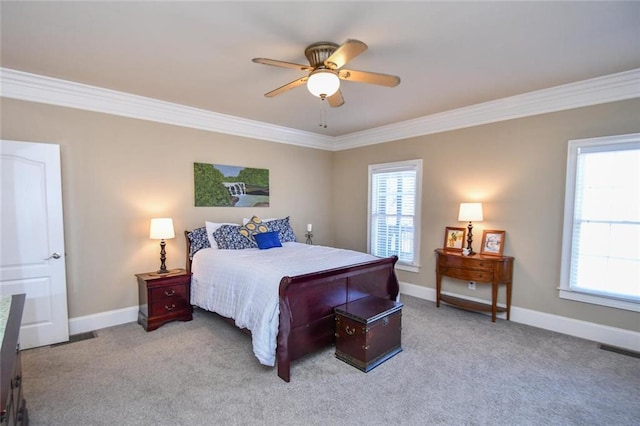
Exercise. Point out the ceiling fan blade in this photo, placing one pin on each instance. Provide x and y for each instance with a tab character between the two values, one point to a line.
369	77
286	87
282	64
343	54
336	99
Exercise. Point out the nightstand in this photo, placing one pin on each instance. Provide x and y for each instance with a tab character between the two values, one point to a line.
164	298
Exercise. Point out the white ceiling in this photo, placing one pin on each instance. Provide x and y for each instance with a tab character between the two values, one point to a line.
448	54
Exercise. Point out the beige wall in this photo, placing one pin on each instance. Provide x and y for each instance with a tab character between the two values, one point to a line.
117	173
517	170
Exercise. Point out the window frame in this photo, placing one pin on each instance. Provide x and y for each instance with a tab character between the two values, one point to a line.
565	289
414	265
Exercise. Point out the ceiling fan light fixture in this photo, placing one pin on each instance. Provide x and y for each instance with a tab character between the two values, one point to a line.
323	82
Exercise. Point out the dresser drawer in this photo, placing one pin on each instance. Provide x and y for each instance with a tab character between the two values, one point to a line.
465	262
467	274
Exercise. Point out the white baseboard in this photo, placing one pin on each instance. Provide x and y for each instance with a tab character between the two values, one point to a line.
103	320
613	336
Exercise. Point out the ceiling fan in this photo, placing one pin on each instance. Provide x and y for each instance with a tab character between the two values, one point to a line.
325	71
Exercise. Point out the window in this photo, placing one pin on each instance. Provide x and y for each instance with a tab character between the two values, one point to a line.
394	212
601	241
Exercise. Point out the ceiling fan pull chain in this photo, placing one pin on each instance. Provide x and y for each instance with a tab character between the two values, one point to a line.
323	111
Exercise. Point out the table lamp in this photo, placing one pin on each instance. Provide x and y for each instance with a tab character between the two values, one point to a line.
162	229
470	212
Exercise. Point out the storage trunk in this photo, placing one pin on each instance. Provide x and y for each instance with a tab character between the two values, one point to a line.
368	331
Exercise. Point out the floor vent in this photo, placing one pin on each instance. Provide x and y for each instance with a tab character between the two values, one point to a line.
77	338
620	351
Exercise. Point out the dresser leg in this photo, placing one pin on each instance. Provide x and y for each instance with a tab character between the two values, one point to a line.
494	301
508	301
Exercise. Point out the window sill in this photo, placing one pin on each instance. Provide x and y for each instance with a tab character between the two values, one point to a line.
408	268
599	300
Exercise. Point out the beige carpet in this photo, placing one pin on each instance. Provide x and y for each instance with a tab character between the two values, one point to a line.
457	368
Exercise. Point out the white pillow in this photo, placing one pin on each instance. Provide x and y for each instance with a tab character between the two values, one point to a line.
213	227
245	220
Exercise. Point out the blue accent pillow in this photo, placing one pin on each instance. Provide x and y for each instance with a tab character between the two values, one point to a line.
228	237
198	240
267	240
282	227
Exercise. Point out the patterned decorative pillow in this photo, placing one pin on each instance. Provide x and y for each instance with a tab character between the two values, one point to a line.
211	228
198	240
228	237
285	233
253	227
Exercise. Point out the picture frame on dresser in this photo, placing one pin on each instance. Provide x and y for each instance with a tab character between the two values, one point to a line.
454	238
492	242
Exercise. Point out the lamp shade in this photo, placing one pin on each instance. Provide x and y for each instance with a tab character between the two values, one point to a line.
323	82
470	212
161	229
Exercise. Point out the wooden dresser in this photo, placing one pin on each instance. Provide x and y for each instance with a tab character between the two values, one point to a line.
494	270
13	407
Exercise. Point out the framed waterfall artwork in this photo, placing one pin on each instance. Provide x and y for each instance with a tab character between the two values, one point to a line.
218	185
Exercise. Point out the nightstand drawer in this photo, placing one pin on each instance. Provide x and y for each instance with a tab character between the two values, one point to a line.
165	307
167	293
467	274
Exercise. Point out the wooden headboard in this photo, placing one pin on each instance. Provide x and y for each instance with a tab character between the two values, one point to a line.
187	265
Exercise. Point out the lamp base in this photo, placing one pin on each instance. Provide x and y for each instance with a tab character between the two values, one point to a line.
467	252
160	272
470	251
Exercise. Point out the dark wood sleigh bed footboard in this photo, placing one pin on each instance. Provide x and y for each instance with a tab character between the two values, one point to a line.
307	301
306	322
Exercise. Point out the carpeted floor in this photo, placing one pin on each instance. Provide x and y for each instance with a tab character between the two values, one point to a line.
457	368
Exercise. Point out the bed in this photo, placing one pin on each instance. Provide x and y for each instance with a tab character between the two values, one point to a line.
298	296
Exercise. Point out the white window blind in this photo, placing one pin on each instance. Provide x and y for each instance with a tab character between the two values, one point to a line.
394	199
601	250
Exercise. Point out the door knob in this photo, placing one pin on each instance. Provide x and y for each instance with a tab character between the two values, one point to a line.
54	255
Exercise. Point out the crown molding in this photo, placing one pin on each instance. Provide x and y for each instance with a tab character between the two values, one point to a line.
36	88
615	87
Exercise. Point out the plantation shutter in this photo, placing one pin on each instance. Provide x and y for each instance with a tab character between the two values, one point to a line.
393	209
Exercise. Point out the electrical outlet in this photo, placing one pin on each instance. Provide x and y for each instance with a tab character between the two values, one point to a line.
472	285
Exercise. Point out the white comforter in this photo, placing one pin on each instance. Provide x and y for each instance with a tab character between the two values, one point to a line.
243	284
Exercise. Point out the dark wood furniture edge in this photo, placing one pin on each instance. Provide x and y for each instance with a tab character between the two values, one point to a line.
296	341
187	260
319	332
8	352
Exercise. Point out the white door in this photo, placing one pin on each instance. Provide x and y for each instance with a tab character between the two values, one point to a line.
32	257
